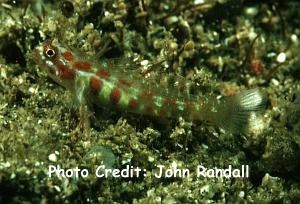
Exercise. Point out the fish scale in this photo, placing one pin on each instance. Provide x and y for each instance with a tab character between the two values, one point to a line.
108	84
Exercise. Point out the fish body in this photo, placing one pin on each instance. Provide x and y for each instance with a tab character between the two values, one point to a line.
107	85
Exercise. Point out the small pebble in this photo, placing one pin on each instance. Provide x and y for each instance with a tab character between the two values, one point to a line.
281	57
52	157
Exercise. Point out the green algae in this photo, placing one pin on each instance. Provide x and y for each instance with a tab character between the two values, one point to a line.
215	44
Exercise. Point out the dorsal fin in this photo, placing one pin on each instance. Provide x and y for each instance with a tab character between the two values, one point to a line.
170	84
154	84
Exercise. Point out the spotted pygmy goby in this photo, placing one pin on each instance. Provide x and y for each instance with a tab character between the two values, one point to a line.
106	85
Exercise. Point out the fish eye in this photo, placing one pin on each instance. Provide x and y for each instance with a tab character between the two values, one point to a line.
50	52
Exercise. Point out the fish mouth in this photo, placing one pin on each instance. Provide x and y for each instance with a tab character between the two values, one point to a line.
36	55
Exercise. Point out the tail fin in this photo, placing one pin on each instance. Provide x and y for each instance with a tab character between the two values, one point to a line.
237	110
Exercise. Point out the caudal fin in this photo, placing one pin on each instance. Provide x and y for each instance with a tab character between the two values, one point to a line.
237	110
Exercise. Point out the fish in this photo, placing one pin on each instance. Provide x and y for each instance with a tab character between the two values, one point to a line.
111	85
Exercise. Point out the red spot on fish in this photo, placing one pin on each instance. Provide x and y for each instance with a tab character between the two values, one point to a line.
80	65
68	55
133	104
95	84
125	83
115	95
65	72
103	73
